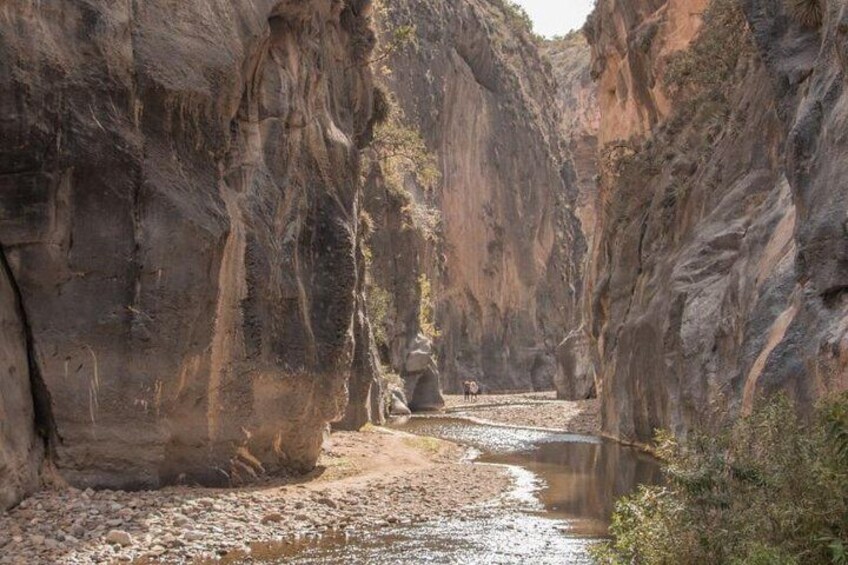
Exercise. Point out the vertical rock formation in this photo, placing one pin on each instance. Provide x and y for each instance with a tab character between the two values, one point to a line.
366	399
505	268
571	59
718	267
178	206
20	448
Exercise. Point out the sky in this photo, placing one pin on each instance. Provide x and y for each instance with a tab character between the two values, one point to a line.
557	17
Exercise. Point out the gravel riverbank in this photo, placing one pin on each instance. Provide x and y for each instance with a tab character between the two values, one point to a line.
368	480
373	479
538	410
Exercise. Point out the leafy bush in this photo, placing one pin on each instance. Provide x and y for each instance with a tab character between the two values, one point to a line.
769	490
402	153
392	40
404	158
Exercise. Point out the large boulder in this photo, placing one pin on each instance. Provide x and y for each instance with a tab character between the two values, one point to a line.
399	403
576	379
420	355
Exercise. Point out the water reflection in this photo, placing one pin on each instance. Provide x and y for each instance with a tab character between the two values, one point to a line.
565	489
582	476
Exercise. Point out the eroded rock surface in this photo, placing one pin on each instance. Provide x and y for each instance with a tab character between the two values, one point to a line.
20	447
570	58
719	267
577	97
506	270
178	202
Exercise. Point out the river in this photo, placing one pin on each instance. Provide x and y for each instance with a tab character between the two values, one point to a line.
564	490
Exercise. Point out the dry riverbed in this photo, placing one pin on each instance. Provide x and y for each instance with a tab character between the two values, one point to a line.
367	480
538	410
374	479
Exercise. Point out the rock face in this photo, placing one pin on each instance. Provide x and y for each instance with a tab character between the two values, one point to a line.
719	268
505	268
20	448
178	203
570	58
577	97
399	256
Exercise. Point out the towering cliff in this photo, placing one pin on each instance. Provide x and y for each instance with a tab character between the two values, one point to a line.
570	58
504	262
719	265
577	96
178	208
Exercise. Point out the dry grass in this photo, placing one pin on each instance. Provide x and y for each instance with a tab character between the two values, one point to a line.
808	13
426	444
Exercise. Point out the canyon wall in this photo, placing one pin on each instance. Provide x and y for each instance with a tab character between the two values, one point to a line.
20	447
570	58
719	266
505	263
178	207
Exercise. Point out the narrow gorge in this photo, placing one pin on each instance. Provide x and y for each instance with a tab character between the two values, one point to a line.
240	238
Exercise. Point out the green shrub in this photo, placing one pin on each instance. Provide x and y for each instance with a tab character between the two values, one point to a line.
769	490
404	158
402	153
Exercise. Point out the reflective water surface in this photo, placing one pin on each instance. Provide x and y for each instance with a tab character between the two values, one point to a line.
565	489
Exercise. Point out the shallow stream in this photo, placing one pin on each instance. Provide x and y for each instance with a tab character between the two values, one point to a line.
564	491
